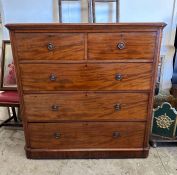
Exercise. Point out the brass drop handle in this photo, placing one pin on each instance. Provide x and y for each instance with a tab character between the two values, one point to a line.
50	46
117	107
55	108
121	45
57	135
53	77
118	77
116	134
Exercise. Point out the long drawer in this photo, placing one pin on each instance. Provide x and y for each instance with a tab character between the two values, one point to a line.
113	46
91	76
88	106
50	46
86	135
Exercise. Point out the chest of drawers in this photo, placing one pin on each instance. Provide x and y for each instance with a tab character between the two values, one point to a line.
86	89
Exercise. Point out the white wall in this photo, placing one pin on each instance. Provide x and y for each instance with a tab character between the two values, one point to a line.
130	11
21	11
148	11
155	11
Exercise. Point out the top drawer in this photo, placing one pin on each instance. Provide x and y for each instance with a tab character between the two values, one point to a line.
113	46
50	46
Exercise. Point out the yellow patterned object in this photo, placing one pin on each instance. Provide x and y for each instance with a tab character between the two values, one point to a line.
164	121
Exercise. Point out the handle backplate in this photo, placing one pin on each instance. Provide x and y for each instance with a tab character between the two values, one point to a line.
50	46
55	108
121	45
57	135
116	134
53	77
118	77
117	107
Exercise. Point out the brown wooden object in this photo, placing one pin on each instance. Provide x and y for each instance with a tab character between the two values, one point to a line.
89	87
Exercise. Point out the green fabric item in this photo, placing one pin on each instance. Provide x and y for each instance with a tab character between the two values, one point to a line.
164	121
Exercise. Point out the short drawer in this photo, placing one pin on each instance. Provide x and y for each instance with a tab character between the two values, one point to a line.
50	46
114	46
98	76
84	135
87	106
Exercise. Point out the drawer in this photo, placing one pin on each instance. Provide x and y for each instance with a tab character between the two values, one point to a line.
113	46
50	46
83	135
86	106
98	76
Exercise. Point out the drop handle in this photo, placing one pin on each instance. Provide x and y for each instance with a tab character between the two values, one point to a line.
53	77
118	77
117	107
121	45
55	107
57	135
50	46
116	134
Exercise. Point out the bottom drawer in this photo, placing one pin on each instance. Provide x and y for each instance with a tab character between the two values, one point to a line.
81	135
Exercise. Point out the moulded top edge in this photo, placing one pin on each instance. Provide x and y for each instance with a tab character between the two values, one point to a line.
79	26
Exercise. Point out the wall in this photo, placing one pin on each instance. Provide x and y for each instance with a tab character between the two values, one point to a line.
155	11
130	11
32	11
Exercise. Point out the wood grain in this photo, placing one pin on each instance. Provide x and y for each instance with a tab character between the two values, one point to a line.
33	46
86	135
136	76
138	45
86	153
79	27
90	106
85	60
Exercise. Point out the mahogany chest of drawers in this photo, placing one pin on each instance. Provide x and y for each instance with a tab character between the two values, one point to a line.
86	89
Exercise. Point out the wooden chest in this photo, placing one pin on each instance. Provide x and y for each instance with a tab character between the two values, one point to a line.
86	89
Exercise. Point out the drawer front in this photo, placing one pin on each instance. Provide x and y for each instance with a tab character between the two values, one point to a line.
86	106
100	76
113	46
48	46
86	135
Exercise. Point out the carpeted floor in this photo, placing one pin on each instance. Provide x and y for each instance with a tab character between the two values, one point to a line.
161	161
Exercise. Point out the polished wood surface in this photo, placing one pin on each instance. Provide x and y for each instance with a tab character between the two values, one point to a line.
86	135
87	27
86	153
138	45
34	46
90	106
90	87
93	76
